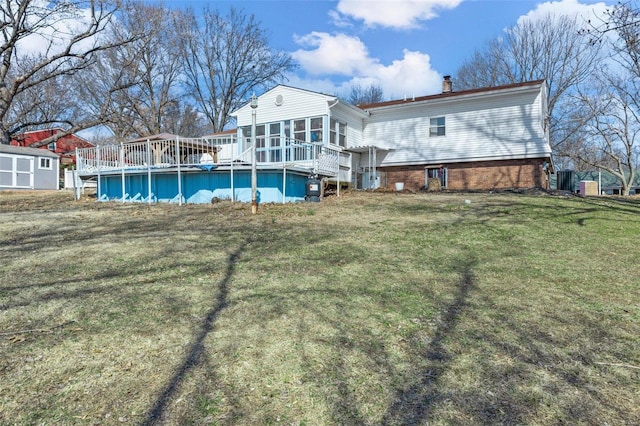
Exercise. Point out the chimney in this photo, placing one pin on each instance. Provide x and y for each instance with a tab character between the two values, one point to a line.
446	84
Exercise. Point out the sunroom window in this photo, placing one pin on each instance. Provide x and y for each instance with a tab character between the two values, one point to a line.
316	129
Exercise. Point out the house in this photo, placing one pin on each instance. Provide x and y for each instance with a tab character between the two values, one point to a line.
480	139
64	146
28	168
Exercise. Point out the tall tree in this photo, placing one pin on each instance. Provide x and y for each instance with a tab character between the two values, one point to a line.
44	42
184	119
608	108
370	94
551	48
148	71
227	57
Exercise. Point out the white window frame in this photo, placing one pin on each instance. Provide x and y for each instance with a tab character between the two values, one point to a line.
48	163
435	128
337	132
316	134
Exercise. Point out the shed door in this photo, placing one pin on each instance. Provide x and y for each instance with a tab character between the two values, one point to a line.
16	171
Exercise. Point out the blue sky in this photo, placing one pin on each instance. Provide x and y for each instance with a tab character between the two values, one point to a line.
405	46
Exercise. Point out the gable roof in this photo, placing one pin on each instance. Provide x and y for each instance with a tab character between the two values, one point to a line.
22	150
223	133
33	136
157	137
448	95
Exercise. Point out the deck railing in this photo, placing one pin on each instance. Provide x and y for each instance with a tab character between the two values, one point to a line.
201	153
139	155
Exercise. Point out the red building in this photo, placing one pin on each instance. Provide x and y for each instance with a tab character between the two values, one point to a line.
65	146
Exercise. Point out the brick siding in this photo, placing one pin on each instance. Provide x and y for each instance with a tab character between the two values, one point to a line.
480	175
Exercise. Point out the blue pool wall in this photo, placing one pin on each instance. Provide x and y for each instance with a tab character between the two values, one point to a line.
202	186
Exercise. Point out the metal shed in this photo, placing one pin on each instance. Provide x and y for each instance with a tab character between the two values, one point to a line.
28	168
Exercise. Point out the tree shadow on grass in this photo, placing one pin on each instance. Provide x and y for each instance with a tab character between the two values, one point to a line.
412	404
196	350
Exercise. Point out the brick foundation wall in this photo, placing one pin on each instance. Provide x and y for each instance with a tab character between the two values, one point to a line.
481	175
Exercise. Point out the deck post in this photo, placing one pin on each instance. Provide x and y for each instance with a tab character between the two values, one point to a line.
233	195
76	190
284	183
338	178
122	171
177	158
98	165
254	174
148	171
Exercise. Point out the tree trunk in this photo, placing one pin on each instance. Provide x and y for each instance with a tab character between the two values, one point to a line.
5	139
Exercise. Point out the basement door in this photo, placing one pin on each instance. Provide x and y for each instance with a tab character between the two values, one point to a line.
16	171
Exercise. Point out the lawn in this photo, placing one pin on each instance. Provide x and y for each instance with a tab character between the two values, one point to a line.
381	309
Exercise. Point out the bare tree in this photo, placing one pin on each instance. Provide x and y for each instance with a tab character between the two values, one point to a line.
609	107
183	118
621	18
552	49
227	58
50	103
370	94
68	36
611	127
148	72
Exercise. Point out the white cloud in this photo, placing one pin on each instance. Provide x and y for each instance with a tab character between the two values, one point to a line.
399	14
343	55
54	33
332	54
411	75
565	7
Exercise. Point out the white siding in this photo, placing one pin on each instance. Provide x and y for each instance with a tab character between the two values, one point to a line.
354	123
504	126
296	103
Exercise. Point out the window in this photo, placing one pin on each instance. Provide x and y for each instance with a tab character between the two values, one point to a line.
300	130
52	147
438	173
221	140
316	129
274	142
337	132
246	136
45	163
260	139
437	127
274	134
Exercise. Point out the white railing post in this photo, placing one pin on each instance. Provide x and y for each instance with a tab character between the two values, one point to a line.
122	171
98	165
76	193
149	171
338	177
179	171
233	195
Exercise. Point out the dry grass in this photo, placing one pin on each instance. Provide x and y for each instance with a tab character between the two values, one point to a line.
369	309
